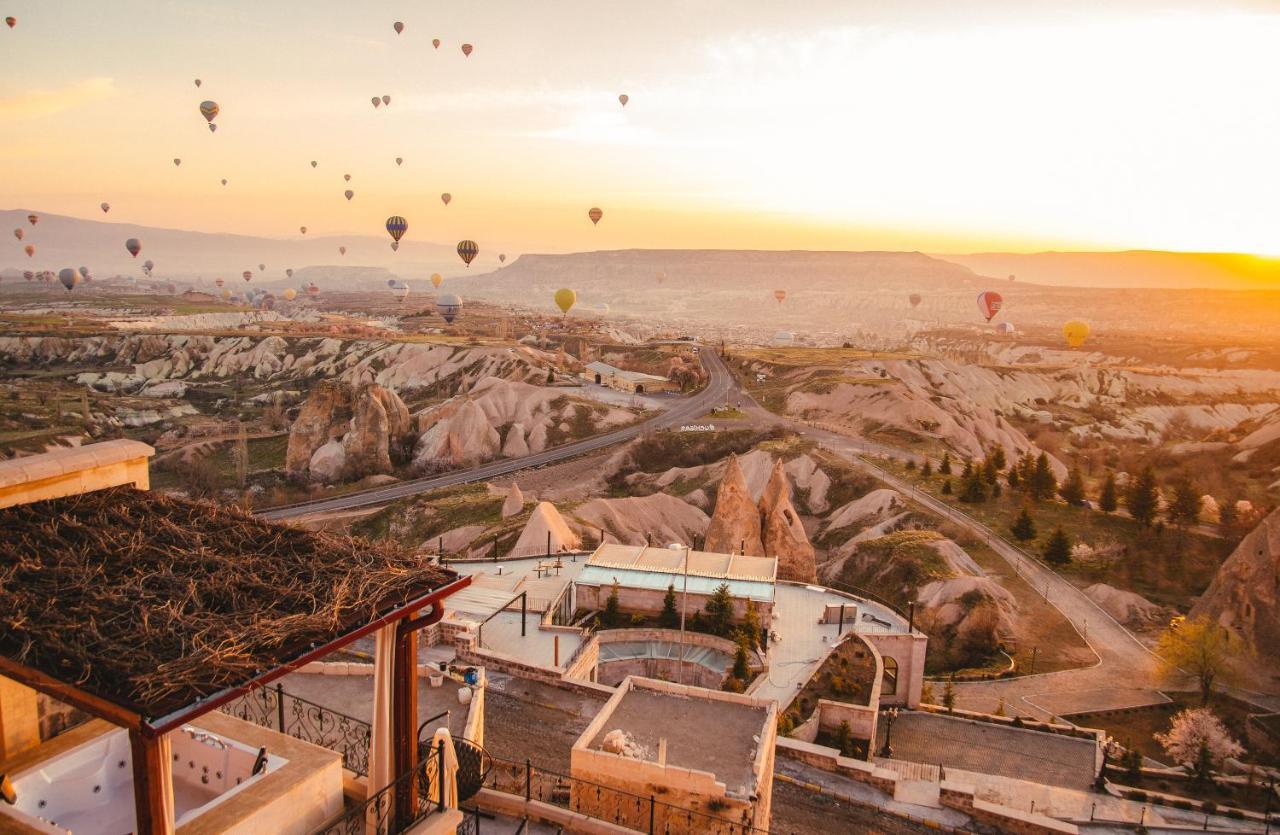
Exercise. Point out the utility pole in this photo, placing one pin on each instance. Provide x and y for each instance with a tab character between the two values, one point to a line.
684	607
242	455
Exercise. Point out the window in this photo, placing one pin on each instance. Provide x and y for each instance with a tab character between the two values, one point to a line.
889	685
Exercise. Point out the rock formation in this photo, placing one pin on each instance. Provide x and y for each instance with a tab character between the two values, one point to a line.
635	520
513	504
344	434
533	539
1129	608
735	524
321	419
1245	593
455	433
782	534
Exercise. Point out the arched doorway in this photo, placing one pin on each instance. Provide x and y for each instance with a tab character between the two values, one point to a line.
598	379
889	684
639	388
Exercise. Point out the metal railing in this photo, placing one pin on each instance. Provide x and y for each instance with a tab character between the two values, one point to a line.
622	808
299	718
398	806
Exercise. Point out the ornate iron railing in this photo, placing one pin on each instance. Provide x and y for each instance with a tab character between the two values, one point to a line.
273	708
398	806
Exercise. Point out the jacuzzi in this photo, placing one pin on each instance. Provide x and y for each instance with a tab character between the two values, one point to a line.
88	790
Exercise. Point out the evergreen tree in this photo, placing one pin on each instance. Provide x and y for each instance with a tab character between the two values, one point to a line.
1141	498
720	610
1184	510
844	738
995	490
1027	470
1108	500
946	487
927	469
1043	482
612	617
945	466
669	617
741	663
1012	478
1024	527
990	472
751	626
1072	490
998	459
968	469
1228	516
1057	551
972	488
949	694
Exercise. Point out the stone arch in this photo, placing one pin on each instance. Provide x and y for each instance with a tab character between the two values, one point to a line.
889	681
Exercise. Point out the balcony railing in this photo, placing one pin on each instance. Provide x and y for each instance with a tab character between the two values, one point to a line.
297	717
398	806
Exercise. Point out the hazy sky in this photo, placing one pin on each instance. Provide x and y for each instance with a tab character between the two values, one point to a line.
939	125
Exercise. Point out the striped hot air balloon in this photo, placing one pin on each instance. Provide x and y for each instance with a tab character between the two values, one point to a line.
467	251
449	306
990	303
595	214
396	227
466	49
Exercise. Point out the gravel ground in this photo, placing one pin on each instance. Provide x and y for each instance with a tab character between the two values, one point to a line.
526	720
798	811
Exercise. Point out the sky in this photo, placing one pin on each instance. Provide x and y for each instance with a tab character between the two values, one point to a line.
931	125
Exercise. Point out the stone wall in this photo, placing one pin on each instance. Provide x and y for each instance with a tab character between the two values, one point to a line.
909	651
648	602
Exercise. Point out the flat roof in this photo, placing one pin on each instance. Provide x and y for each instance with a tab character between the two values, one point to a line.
715	736
153	604
603	575
672	561
635	376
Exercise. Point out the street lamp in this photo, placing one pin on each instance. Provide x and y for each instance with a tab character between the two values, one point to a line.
889	715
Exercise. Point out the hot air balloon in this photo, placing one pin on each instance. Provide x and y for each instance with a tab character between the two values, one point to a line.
148	266
289	272
446	197
989	303
386	100
312	289
449	306
399	288
314	163
502	258
466	49
18	233
11	21
395	246
290	294
603	309
226	295
565	299
435	42
346	177
467	251
595	215
106	207
1075	332
915	299
29	249
218	282
437	280
396	227
224	182
1006	329
198	82
133	246
399	160
398	26
84	273
624	98
342	250
69	277
1012	278
177	161
247	274
780	295
209	110
28	275
262	268
348	194
33	219
377	102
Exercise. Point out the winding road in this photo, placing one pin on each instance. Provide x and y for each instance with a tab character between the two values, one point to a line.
720	385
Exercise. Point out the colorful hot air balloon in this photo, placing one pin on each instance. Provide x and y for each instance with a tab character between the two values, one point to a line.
218	282
289	273
33	219
314	163
18	233
1006	329
396	227
624	98
224	181
780	295
226	295
1012	278
29	249
247	274
11	21
1075	332
377	102
106	207
262	268
565	299
28	275
148	265
386	100
398	26
445	198
989	303
467	251
449	306
399	288
502	258
348	194
346	177
437	280
342	250
177	161
435	42
595	215
209	110
134	246
399	160
466	49
302	229
69	277
198	82
915	299
290	294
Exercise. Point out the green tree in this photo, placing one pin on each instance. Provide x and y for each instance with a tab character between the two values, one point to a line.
750	629
1013	478
669	618
997	458
990	472
1184	509
720	610
949	694
1024	527
945	467
972	488
741	663
967	470
927	469
946	487
1228	516
1141	498
612	617
1072	490
1043	484
1057	551
844	738
1200	648
1108	499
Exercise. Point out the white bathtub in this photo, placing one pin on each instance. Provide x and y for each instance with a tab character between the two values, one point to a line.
88	790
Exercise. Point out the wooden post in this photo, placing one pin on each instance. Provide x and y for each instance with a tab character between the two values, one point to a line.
148	779
404	719
556	662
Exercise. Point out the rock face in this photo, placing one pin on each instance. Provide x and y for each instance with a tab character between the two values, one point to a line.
1245	594
545	520
1126	607
633	520
735	524
455	433
782	533
346	434
513	504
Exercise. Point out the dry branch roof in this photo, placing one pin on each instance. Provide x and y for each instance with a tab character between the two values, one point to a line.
154	603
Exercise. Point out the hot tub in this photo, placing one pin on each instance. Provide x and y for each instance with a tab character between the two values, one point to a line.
88	790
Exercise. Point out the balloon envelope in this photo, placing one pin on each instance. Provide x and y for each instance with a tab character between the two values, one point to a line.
289	272
209	109
466	49
502	259
449	306
29	249
247	274
33	219
595	215
990	303
398	26
396	227
779	295
1006	328
435	42
624	98
342	250
1075	332
69	277
436	280
133	246
565	299
18	233
446	197
348	194
915	299
386	100
290	294
467	251
106	207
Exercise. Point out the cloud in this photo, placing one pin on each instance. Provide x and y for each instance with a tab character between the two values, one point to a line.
40	103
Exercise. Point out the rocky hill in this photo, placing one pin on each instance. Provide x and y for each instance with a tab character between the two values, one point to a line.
1245	595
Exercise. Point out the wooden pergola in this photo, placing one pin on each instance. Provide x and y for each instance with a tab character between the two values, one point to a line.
53	538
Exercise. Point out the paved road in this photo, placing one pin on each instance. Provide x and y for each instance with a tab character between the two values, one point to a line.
718	390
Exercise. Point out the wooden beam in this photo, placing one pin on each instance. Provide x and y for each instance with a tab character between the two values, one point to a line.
148	784
74	696
404	722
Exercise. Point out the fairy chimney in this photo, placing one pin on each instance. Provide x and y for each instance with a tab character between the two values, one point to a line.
735	524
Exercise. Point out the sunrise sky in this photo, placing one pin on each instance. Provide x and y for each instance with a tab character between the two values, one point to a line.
835	125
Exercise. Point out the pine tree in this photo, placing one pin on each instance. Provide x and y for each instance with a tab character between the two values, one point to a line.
1057	551
946	487
1108	500
990	472
949	694
1141	498
1012	478
945	467
927	469
1024	527
1027	470
968	469
998	459
995	490
972	488
612	617
1043	483
741	663
1072	490
720	610
1184	510
669	617
750	628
